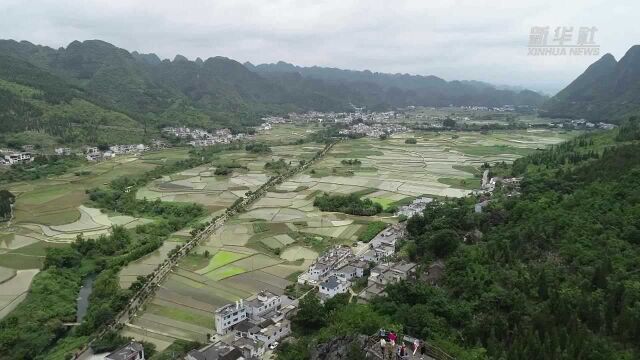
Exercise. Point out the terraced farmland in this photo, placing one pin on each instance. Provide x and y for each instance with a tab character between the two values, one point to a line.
439	164
49	213
280	234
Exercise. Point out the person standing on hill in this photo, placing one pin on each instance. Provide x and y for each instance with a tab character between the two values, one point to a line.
423	349
383	346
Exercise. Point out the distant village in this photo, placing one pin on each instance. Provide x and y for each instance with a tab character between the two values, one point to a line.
582	124
199	137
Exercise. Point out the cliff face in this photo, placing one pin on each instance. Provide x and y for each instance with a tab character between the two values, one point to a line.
341	348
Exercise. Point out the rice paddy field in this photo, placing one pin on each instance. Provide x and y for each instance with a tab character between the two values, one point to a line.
287	133
50	213
440	164
215	192
279	235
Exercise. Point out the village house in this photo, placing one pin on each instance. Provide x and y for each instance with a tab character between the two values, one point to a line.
346	273
334	258
63	151
218	351
263	302
332	287
229	315
416	207
269	323
250	348
18	158
387	273
131	351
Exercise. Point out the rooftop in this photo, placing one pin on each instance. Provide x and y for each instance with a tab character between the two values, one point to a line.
331	283
126	351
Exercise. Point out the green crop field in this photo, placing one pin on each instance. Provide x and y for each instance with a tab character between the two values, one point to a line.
280	234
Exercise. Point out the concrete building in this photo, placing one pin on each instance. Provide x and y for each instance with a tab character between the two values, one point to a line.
229	315
333	286
131	351
218	351
262	303
334	258
346	273
18	158
63	151
416	207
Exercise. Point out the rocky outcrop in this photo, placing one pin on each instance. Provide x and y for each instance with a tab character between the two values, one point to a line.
344	347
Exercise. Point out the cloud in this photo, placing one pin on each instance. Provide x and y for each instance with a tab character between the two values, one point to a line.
480	39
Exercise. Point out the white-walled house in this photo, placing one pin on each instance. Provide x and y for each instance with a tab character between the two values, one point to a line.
229	315
333	286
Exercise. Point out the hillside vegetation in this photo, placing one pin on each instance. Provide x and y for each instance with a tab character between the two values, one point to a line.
91	90
608	91
553	276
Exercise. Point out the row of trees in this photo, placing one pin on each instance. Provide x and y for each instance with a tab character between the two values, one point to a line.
348	204
35	328
41	167
6	201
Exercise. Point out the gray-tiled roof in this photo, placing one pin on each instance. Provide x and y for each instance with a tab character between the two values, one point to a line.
331	283
126	351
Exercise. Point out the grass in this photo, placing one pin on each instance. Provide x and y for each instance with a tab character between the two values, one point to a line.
372	229
259	227
20	262
293	277
225	272
385	202
480	150
181	315
221	258
467	168
466	184
194	262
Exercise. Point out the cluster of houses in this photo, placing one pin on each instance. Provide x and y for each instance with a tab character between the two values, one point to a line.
510	185
249	327
373	130
93	153
269	121
199	137
416	207
335	271
583	124
11	158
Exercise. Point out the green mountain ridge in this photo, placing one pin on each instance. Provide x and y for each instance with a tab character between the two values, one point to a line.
607	91
148	92
405	89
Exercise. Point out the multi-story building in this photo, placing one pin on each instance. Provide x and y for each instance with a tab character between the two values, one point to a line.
18	158
334	258
333	286
262	303
229	315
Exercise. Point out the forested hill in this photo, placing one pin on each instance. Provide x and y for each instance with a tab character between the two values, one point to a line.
33	99
608	91
380	89
551	274
216	92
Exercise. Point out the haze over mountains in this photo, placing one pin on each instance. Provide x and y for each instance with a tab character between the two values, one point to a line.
72	91
129	86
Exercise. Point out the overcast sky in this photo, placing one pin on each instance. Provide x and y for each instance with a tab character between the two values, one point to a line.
464	40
